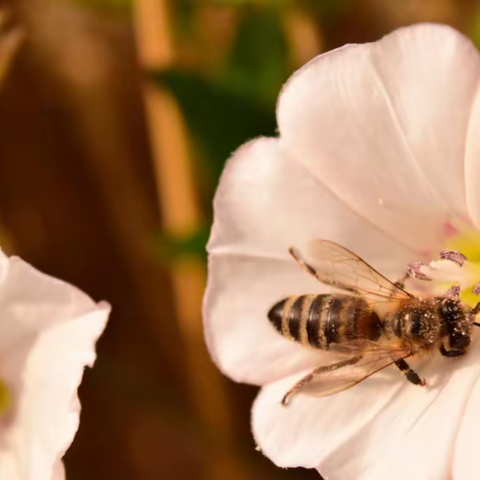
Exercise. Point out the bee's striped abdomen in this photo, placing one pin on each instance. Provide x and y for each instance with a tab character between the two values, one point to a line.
302	319
315	335
319	320
297	318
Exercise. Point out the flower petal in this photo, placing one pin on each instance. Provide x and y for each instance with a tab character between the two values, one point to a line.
242	342
384	126
430	73
465	460
264	204
47	334
58	471
383	428
472	162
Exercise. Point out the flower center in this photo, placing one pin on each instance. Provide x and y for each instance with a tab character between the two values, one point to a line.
468	243
459	265
4	398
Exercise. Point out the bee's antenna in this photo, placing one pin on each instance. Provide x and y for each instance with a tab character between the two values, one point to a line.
476	311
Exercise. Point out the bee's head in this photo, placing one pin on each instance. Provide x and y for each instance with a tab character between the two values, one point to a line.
458	325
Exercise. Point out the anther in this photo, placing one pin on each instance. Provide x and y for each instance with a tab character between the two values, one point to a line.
453	291
476	290
414	270
453	256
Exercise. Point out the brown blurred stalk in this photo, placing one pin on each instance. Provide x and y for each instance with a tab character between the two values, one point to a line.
303	35
181	215
10	39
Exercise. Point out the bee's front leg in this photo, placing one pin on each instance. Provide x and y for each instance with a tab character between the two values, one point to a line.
413	270
475	311
401	282
456	352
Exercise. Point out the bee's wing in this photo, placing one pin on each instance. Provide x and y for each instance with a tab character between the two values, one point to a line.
343	375
338	267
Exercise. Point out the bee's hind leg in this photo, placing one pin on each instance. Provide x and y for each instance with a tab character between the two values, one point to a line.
313	374
411	375
298	386
303	264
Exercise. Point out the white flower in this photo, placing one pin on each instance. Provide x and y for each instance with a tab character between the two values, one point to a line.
379	151
48	330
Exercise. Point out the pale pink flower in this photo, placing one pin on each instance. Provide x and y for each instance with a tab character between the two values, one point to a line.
379	151
48	331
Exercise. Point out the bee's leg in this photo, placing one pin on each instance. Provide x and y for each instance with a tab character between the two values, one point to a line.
303	264
475	311
312	271
456	352
413	270
319	370
401	282
288	396
411	375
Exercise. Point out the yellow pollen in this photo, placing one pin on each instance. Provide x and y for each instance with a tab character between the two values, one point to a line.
4	398
468	243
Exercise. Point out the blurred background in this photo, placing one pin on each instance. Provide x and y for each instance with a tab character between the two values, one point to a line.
116	118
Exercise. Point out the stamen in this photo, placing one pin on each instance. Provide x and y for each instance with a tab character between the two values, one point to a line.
454	291
461	268
414	270
454	256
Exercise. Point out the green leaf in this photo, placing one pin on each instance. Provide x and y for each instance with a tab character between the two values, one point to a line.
474	28
220	117
258	64
172	248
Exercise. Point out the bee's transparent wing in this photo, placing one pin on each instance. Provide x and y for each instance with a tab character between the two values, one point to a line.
338	267
337	377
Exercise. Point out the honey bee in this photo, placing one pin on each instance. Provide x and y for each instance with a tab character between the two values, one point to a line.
373	324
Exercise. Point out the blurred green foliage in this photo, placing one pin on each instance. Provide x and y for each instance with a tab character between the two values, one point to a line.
219	116
175	248
474	28
330	7
258	64
226	108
